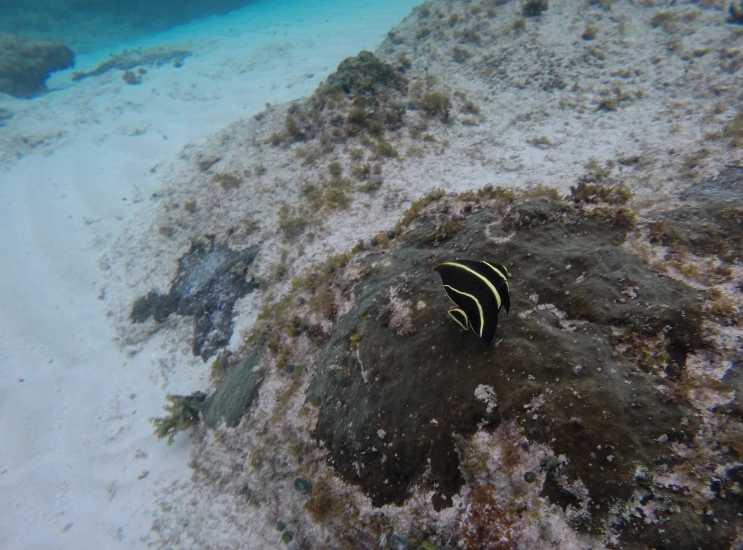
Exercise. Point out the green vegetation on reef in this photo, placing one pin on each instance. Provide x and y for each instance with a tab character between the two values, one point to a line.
227	181
363	95
664	19
436	103
593	193
519	25
291	223
183	412
590	33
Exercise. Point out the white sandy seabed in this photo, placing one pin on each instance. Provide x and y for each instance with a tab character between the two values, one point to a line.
79	466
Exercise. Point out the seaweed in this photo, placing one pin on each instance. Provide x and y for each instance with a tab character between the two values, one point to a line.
590	33
436	103
665	19
183	412
596	193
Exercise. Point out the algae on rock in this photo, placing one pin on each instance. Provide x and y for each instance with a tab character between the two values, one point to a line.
592	365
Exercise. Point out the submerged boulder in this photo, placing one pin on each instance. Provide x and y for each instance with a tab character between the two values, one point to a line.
364	75
236	393
397	381
608	373
25	64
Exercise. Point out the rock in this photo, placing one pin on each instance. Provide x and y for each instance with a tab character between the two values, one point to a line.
643	478
210	279
235	394
420	388
550	462
601	360
96	24
365	75
304	486
25	64
131	59
703	225
399	543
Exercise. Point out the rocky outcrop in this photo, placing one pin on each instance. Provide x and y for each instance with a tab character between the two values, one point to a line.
25	64
554	368
610	363
93	23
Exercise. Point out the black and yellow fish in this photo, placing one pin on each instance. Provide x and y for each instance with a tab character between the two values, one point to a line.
480	290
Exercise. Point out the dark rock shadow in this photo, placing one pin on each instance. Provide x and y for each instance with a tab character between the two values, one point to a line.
210	279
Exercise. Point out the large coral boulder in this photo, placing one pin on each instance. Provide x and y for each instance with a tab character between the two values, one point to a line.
608	393
25	64
396	365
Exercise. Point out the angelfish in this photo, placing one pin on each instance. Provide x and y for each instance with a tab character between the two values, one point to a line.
479	289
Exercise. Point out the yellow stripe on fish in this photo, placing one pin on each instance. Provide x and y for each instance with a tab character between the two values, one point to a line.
479	289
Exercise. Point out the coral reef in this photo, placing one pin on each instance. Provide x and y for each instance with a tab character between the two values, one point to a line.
703	226
605	415
438	380
593	382
25	64
363	95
